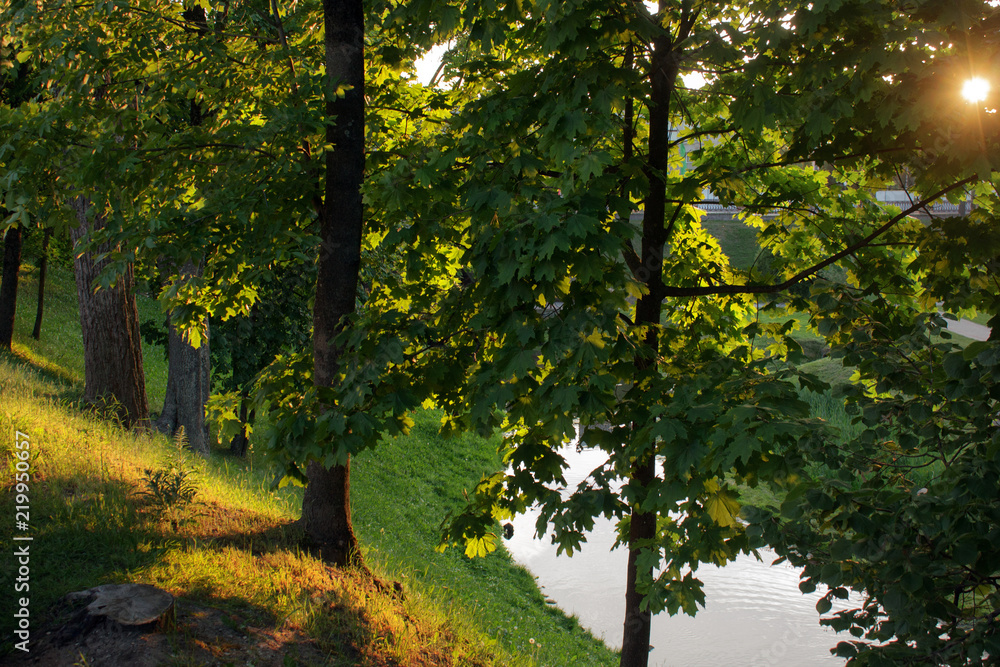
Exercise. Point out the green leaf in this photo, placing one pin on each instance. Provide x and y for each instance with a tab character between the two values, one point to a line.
956	365
478	547
723	507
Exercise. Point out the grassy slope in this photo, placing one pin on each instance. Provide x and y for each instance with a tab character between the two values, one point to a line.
501	600
60	348
737	240
248	594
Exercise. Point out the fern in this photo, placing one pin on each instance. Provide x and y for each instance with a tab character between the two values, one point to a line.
171	489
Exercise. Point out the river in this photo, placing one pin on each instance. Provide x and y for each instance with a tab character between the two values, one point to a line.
755	615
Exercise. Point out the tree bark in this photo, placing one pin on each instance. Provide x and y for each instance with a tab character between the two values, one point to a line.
36	333
8	285
112	347
188	386
642	527
326	505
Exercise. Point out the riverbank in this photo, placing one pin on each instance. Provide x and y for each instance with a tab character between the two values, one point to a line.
246	593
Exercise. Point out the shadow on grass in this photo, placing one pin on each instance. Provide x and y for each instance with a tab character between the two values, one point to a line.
249	531
62	385
85	533
90	532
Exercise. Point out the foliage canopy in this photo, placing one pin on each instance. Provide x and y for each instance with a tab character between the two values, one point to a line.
519	293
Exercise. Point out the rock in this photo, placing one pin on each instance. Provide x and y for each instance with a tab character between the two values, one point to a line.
128	604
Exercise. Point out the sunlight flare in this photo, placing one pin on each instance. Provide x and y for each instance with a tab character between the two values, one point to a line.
975	89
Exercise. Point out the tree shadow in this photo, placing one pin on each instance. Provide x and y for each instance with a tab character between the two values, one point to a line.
98	532
64	386
84	533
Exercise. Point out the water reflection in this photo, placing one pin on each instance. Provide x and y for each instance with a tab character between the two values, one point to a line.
755	615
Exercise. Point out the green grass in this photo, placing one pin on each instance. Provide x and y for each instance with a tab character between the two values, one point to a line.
829	370
235	558
737	240
982	318
60	348
498	597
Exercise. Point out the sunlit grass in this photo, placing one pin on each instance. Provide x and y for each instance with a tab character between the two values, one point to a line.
432	475
239	550
60	348
737	240
235	557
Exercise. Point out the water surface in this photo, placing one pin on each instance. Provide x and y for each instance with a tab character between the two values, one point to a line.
755	615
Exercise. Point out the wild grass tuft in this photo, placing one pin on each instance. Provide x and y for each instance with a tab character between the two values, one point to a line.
170	489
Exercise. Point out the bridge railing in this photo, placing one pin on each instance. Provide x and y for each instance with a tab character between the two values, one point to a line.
942	209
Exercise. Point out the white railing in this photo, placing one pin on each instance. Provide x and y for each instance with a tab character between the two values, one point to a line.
899	198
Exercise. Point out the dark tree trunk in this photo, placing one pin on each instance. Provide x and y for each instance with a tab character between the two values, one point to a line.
112	348
188	385
8	285
239	444
642	527
36	333
326	505
655	232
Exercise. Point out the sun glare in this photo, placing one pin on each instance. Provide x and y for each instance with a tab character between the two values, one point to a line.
975	89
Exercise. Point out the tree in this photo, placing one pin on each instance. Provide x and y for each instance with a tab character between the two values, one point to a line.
242	347
528	302
326	505
8	284
43	265
553	314
189	380
906	509
109	320
244	184
15	88
104	128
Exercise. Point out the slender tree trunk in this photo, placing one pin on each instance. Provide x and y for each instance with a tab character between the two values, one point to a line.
112	347
239	444
8	285
642	527
655	232
189	369
188	385
36	333
326	505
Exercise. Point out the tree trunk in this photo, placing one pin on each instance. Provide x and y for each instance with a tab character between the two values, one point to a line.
8	285
36	333
188	385
112	348
239	444
655	232
326	505
642	527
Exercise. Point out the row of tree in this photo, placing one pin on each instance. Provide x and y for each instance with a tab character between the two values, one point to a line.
489	225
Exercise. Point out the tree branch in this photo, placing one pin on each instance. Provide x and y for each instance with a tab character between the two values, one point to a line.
715	290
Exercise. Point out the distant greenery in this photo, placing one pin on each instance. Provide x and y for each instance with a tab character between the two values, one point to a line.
981	318
738	241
